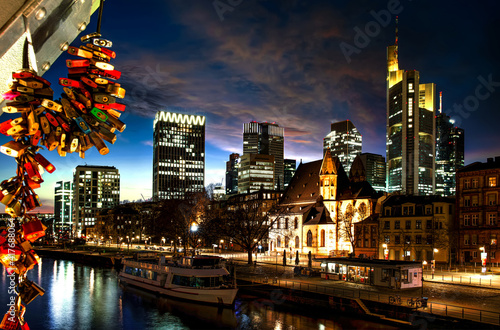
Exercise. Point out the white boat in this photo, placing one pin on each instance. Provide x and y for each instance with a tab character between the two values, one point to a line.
198	278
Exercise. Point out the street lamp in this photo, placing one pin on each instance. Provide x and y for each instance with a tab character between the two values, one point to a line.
386	251
433	264
423	265
484	257
220	246
163	240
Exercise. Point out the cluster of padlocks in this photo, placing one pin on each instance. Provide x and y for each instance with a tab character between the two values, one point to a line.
86	115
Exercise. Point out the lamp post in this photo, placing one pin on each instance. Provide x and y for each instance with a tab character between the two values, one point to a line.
433	264
423	265
220	246
128	243
484	257
194	229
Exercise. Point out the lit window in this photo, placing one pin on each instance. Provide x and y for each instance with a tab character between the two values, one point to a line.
492	181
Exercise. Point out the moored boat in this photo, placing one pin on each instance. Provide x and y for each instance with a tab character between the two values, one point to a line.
203	279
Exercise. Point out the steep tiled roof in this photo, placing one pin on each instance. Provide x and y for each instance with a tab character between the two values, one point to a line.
318	215
304	186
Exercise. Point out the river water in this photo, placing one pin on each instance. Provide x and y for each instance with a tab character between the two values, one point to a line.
84	297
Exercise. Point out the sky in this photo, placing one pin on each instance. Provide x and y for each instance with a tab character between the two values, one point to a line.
301	64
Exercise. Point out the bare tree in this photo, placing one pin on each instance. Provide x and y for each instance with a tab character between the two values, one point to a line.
345	227
245	224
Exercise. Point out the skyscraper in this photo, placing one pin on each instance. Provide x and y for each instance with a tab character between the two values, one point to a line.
178	155
63	209
375	170
290	165
344	141
232	174
266	139
95	188
256	171
449	154
410	146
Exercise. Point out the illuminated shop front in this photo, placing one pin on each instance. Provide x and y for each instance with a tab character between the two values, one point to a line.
386	273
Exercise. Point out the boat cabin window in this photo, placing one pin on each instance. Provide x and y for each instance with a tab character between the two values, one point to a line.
144	273
197	282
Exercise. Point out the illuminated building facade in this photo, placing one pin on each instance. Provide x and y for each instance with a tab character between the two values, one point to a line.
178	155
95	188
478	192
375	170
449	154
256	172
410	146
344	141
290	165
266	139
232	174
63	209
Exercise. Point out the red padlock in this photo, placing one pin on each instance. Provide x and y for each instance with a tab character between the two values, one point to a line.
33	230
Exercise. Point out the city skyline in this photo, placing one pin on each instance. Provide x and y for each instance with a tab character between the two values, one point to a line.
285	62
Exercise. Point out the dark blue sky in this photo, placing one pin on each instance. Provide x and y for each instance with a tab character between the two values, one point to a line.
282	61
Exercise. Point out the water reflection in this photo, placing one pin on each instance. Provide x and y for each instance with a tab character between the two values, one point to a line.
83	297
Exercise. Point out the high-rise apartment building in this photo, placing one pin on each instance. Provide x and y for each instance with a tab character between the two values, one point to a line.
178	155
344	141
232	174
266	139
290	165
410	146
95	188
375	170
63	209
449	154
256	172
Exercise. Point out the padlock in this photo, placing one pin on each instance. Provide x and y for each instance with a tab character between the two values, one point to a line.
87	37
50	117
69	93
88	82
102	42
73	146
29	290
116	123
62	140
113	74
84	100
68	109
42	80
103	98
118	106
76	72
15	109
33	184
106	51
79	52
23	74
63	123
82	125
33	230
31	83
58	132
70	83
23	98
9	322
52	105
44	92
26	90
14	208
16	130
33	123
104	66
116	91
14	148
106	135
61	151
77	63
99	143
51	141
99	114
44	124
44	163
5	126
32	171
30	259
35	138
78	106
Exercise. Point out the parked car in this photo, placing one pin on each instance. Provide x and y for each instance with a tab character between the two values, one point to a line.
138	247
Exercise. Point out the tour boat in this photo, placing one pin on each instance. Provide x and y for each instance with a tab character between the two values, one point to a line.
199	278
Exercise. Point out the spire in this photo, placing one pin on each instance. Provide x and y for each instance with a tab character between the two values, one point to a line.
396	43
441	102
